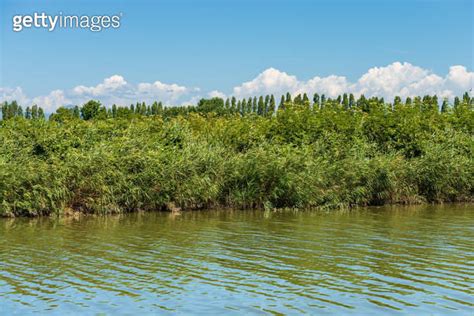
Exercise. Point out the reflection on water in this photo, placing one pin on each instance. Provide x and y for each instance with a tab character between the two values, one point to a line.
385	260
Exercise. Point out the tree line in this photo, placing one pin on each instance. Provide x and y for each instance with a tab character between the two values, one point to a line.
262	106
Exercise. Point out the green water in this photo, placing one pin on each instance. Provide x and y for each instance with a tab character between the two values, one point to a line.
368	261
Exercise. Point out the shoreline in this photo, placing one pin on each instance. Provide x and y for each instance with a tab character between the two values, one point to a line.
78	214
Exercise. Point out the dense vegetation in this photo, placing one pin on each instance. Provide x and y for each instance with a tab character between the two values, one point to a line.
326	153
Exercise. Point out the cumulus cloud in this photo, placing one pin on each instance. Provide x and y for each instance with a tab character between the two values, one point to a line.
216	94
13	94
109	85
331	85
159	90
114	89
270	81
458	76
52	101
402	79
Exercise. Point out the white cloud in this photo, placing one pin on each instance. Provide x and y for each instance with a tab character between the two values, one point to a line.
271	81
159	90
216	94
52	101
331	85
403	79
48	102
109	85
13	94
116	90
458	76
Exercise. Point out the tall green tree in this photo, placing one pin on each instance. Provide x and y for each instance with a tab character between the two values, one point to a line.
90	110
306	102
281	106
298	100
345	101
323	101
352	101
28	113
254	105
457	102
41	115
316	101
272	105
444	106
76	112
260	106
266	105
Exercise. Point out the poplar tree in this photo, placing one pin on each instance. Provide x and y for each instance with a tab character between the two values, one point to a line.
254	105
34	112
397	100
260	106
154	108
361	101
298	100
323	101
444	106
345	101
271	107
4	110
41	115
466	98
267	101
28	113
351	100
306	100
316	101
282	103
76	112
457	102
249	105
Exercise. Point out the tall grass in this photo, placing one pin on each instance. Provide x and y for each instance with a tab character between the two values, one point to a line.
328	158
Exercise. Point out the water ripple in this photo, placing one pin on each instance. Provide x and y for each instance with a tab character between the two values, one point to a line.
367	261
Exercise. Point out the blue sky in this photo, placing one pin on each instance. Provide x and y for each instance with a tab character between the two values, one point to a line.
218	45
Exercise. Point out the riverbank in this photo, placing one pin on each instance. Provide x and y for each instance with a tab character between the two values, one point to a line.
326	158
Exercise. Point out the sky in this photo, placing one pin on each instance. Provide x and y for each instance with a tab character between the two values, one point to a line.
180	51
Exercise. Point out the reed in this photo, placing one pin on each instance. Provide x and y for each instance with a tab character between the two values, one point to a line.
333	157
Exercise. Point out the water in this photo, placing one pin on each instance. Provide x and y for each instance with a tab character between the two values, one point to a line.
369	261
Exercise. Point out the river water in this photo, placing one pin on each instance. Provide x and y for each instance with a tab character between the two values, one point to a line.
406	260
